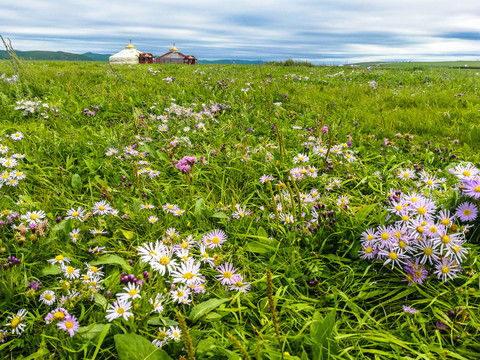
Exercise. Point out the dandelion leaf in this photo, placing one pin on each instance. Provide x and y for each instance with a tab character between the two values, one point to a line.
111	259
136	347
204	308
321	331
77	183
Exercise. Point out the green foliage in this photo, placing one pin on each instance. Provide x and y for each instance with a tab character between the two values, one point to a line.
136	347
327	301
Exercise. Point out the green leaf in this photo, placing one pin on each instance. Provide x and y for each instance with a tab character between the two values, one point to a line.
136	347
220	215
128	234
77	183
51	270
258	247
199	206
111	259
261	232
90	332
162	322
100	300
204	308
102	336
321	332
362	214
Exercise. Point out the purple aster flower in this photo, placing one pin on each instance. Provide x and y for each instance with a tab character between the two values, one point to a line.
472	188
441	325
325	129
409	309
447	269
69	324
466	211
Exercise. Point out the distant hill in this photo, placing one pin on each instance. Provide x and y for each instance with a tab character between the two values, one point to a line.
46	55
97	57
55	55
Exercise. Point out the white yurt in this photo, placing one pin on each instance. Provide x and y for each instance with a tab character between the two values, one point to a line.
129	55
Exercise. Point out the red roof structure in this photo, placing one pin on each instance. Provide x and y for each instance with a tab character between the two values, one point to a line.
174	56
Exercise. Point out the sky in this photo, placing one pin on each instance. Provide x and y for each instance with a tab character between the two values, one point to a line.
320	31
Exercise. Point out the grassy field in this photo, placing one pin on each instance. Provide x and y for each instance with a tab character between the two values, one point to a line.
234	211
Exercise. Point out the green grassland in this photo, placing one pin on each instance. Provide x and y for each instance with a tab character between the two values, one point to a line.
311	296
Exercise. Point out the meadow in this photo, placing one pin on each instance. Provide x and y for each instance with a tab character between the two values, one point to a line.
229	211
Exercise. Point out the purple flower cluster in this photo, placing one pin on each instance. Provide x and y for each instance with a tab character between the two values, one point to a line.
125	279
91	111
11	262
185	164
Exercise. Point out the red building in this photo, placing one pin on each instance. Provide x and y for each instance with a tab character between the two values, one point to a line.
146	58
174	56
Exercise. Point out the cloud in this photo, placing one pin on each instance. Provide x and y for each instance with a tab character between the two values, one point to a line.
250	29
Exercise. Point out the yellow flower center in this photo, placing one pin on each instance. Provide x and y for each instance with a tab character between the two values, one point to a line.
15	321
227	274
402	244
467	212
215	240
429	182
164	260
445	269
385	236
466	173
75	213
405	217
188	275
180	294
59	257
421	210
101	207
69	324
48	297
120	310
433	229
94	269
185	245
370	237
427	251
239	284
393	255
445	239
477	189
58	315
70	270
413	199
406	175
34	216
445	222
369	250
420	229
398	207
133	292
